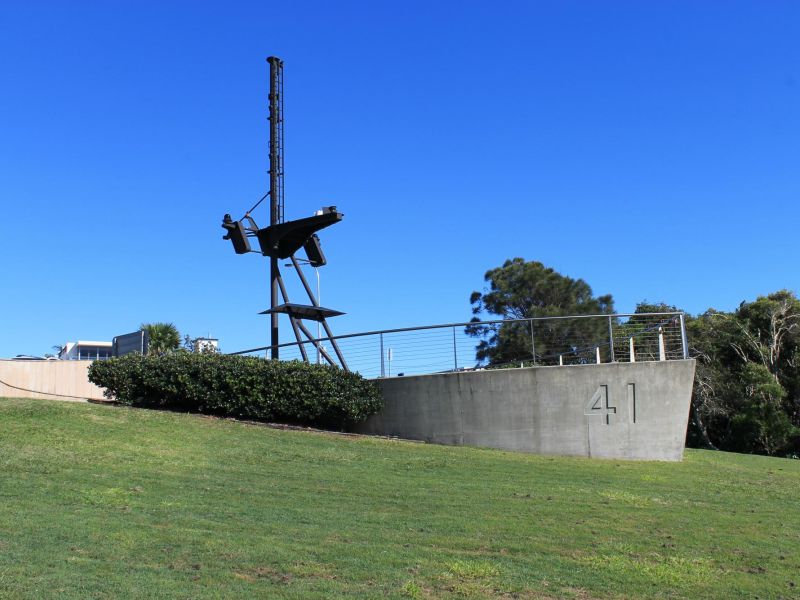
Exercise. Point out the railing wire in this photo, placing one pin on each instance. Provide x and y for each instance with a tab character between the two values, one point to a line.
538	341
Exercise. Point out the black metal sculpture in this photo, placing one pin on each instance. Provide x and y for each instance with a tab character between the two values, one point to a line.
282	239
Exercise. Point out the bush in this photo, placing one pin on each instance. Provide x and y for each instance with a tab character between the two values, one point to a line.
239	386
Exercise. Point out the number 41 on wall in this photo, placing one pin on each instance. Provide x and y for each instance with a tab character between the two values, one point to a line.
600	404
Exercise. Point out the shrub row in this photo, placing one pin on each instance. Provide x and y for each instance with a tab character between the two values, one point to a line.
239	386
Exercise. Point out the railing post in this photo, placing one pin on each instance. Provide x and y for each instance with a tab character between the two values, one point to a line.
611	339
383	370
684	341
662	354
455	351
533	345
633	351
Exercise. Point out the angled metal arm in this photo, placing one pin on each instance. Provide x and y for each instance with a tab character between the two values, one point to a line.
318	344
293	321
313	299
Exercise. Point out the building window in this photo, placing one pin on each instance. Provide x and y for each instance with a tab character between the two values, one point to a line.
93	353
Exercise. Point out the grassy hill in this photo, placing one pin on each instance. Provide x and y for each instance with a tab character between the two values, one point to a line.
105	502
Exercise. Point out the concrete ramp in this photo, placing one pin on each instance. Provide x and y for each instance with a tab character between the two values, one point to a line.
618	410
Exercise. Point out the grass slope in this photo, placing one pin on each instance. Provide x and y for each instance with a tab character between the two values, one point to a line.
104	502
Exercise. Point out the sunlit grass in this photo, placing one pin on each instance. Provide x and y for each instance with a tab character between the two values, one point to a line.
105	502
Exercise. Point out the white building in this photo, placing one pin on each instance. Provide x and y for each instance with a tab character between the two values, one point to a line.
206	345
85	350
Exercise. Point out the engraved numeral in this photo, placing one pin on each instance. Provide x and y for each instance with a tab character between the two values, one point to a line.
632	402
598	404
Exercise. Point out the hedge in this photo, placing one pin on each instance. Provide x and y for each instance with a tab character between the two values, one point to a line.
239	386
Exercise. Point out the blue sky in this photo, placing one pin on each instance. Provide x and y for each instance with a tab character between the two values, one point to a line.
650	148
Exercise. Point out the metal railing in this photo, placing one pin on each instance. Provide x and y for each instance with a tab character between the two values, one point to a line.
538	341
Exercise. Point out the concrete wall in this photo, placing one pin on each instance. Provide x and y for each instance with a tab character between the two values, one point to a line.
618	410
49	379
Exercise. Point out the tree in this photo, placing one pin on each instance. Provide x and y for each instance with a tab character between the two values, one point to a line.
162	337
760	424
188	343
522	289
770	332
747	384
709	404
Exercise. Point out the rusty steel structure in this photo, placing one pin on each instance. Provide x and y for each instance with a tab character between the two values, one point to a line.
283	239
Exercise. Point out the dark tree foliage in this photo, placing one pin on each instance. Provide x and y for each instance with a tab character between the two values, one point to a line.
522	289
747	393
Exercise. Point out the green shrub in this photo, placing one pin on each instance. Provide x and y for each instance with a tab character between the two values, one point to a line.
239	386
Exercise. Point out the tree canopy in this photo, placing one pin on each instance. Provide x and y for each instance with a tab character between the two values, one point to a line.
521	289
747	385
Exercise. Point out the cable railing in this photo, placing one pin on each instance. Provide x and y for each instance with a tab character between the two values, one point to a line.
506	343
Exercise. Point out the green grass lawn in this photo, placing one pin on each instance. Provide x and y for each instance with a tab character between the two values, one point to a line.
107	502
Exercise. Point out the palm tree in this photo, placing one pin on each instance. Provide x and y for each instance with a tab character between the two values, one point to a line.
162	338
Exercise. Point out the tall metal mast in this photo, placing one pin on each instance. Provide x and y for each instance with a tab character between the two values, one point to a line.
276	199
282	239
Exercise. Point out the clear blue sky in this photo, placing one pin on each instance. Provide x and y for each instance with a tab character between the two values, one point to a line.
650	148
